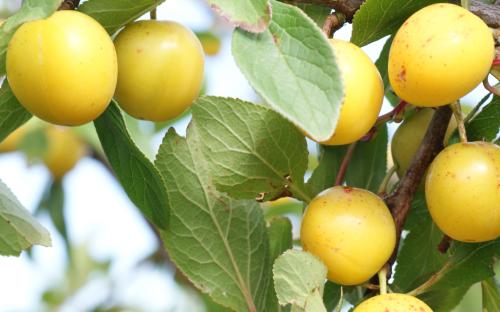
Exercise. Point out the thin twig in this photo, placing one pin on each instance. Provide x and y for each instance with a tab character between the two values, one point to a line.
347	7
345	164
400	201
152	14
490	88
382	190
69	5
431	281
382	278
333	22
444	244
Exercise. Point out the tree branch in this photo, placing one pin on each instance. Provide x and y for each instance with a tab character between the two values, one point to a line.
69	5
400	201
489	13
346	7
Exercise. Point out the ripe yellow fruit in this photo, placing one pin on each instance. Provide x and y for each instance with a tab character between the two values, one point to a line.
439	55
11	142
409	135
364	93
62	69
64	150
351	230
160	69
462	190
211	44
393	303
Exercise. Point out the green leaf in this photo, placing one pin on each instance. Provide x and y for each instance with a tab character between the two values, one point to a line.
114	14
491	295
251	15
323	177
279	232
368	172
292	66
486	124
299	278
316	12
139	178
34	144
18	229
250	149
12	114
53	203
219	243
331	296
30	10
470	263
376	19
444	300
418	257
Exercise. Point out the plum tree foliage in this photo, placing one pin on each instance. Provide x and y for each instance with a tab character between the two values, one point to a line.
221	198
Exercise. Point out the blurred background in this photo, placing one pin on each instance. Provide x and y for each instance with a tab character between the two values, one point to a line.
105	257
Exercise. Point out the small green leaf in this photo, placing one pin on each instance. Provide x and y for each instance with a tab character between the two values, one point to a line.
368	172
299	277
114	14
12	114
292	66
378	18
138	176
251	15
331	296
486	124
418	257
250	149
18	229
219	243
382	66
491	295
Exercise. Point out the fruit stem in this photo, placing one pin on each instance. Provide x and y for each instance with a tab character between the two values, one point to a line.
490	88
444	245
457	112
333	22
382	277
465	4
382	190
341	300
345	164
152	14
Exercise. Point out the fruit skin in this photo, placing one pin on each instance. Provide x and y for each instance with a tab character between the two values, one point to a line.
351	230
393	303
409	135
439	55
364	93
63	69
462	190
160	73
64	150
11	142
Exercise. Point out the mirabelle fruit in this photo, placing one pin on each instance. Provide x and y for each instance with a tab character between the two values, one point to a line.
211	44
364	93
64	150
409	135
11	142
62	69
440	54
351	230
462	190
160	69
393	303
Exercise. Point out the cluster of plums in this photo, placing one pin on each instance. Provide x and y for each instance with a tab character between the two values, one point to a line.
65	70
438	55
